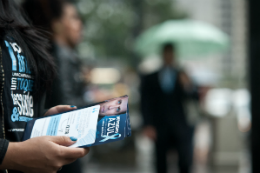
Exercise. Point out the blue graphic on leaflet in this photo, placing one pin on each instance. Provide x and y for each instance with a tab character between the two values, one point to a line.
114	136
53	126
110	129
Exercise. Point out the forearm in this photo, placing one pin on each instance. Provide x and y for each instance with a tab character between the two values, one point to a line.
11	157
3	148
192	92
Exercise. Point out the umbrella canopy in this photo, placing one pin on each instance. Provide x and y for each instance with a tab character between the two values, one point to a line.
191	38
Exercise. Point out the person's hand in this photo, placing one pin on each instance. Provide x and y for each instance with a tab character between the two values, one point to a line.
150	132
203	90
46	154
185	80
59	109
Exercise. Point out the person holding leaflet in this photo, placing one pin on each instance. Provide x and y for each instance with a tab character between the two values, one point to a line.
27	72
62	21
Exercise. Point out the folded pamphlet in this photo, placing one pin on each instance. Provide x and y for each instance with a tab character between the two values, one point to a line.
96	124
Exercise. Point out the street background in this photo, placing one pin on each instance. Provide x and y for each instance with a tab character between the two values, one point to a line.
113	68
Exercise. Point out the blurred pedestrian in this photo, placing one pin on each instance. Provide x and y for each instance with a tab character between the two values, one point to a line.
163	96
61	19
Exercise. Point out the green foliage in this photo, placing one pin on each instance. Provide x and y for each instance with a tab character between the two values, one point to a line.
112	25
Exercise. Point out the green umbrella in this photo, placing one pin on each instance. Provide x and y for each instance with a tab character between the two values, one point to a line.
192	38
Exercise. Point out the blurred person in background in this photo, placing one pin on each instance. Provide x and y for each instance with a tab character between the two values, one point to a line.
60	18
163	96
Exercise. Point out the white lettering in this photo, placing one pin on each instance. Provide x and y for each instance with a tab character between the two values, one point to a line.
25	104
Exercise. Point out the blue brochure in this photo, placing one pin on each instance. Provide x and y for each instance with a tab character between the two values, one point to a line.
95	124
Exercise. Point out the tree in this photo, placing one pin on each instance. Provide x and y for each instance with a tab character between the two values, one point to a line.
111	26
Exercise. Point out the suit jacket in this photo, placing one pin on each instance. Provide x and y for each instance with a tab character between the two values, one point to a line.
161	109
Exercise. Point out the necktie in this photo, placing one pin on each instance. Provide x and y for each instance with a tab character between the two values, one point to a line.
168	77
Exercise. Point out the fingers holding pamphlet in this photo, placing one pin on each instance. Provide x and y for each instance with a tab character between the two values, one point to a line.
96	124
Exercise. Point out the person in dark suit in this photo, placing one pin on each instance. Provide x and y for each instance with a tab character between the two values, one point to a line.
163	96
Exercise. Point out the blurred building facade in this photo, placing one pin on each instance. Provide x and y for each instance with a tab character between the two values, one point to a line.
230	17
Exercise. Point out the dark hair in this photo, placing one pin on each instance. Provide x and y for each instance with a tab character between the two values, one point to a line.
168	46
31	40
43	12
